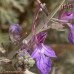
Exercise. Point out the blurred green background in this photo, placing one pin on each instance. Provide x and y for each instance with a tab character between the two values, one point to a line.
21	12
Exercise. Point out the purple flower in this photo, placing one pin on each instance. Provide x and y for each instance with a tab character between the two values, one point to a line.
42	53
15	33
15	29
67	16
71	34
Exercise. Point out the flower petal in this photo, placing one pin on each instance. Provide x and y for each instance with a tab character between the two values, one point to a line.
48	51
70	38
35	53
71	34
44	64
69	24
67	16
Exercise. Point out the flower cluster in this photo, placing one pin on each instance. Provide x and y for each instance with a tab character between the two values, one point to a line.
42	53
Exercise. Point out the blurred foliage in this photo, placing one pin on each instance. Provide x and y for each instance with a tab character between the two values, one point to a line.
9	10
4	38
65	63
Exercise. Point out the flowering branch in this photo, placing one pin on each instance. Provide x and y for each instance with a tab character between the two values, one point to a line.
23	59
33	47
13	52
46	19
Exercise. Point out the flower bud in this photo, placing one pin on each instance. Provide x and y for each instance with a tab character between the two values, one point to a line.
15	29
